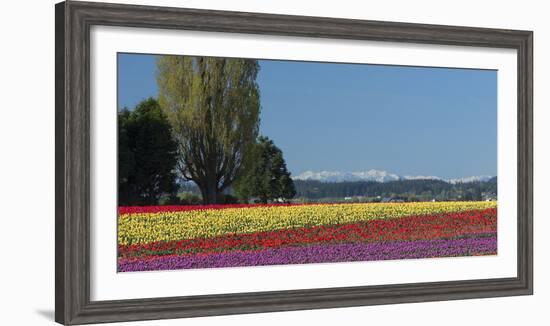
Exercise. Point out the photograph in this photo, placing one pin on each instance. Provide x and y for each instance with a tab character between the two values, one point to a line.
241	162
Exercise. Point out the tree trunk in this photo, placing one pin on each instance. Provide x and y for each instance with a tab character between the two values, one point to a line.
210	193
211	196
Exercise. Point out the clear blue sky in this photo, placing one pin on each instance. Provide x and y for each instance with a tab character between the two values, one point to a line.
356	117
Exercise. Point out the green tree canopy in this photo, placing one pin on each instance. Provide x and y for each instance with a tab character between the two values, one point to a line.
147	155
213	107
265	175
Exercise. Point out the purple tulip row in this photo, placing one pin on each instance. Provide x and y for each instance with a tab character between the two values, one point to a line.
485	244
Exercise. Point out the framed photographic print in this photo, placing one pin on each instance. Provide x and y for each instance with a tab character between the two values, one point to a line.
215	162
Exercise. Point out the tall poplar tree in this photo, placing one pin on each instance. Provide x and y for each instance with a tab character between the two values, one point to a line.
213	107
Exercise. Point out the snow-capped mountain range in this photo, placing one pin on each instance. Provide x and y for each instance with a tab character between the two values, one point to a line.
377	175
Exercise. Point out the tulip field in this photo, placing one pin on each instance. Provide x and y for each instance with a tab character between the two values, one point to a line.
184	237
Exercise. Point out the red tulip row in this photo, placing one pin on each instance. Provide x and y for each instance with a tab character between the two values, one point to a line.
182	208
423	227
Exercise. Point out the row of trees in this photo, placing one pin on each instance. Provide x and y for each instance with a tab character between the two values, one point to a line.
204	128
409	190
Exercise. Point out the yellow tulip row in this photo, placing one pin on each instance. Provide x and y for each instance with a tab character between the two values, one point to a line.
139	228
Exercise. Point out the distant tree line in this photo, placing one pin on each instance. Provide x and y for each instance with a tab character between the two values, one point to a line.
408	190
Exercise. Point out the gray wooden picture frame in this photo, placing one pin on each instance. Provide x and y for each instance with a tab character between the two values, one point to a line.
72	169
